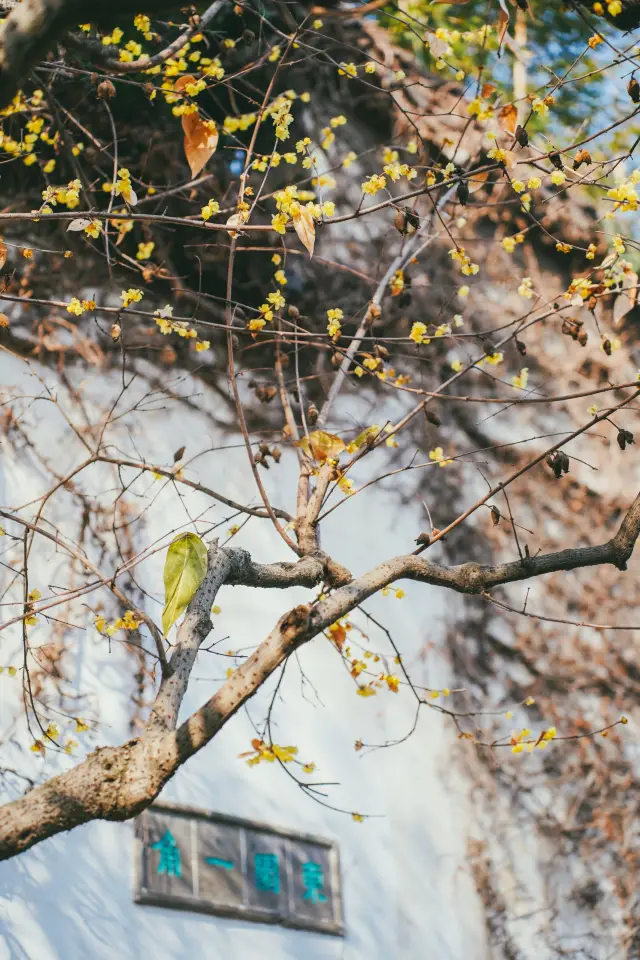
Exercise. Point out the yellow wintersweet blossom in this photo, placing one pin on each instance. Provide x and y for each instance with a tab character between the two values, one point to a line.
210	209
509	244
521	380
366	692
438	456
145	250
533	183
418	333
279	222
132	295
539	106
75	306
202	345
256	324
526	288
348	70
375	182
558	177
280	277
334	316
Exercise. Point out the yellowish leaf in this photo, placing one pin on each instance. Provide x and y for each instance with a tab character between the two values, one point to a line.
184	570
321	446
3	254
305	228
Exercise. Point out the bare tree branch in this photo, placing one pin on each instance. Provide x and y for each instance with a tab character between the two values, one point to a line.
116	783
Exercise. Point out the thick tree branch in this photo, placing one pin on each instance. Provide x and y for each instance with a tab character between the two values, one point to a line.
116	783
33	27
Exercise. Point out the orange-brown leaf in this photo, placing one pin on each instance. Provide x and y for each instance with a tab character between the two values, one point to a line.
508	118
200	141
3	254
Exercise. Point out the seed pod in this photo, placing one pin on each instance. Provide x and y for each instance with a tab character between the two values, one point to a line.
179	454
521	347
276	453
432	418
312	413
522	137
413	220
633	89
423	539
606	346
381	352
495	516
293	312
582	156
115	332
264	449
106	90
488	347
624	437
400	222
462	192
555	159
583	337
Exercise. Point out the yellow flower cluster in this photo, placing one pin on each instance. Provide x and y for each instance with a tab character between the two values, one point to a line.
467	267
210	209
335	315
132	295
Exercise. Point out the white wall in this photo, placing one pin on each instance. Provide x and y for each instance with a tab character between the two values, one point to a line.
407	888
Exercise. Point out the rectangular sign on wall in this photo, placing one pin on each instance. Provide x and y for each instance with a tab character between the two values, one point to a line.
195	860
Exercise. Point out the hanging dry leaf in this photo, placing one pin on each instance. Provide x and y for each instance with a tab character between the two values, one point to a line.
182	81
200	141
235	220
477	180
503	23
4	320
487	90
3	254
305	228
508	118
78	224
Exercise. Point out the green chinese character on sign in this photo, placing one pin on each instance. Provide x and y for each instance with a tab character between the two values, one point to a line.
313	879
169	861
267	871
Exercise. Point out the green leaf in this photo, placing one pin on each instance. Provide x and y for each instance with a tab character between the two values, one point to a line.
184	571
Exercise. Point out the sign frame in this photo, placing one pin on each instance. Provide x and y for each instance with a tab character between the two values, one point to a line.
144	895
